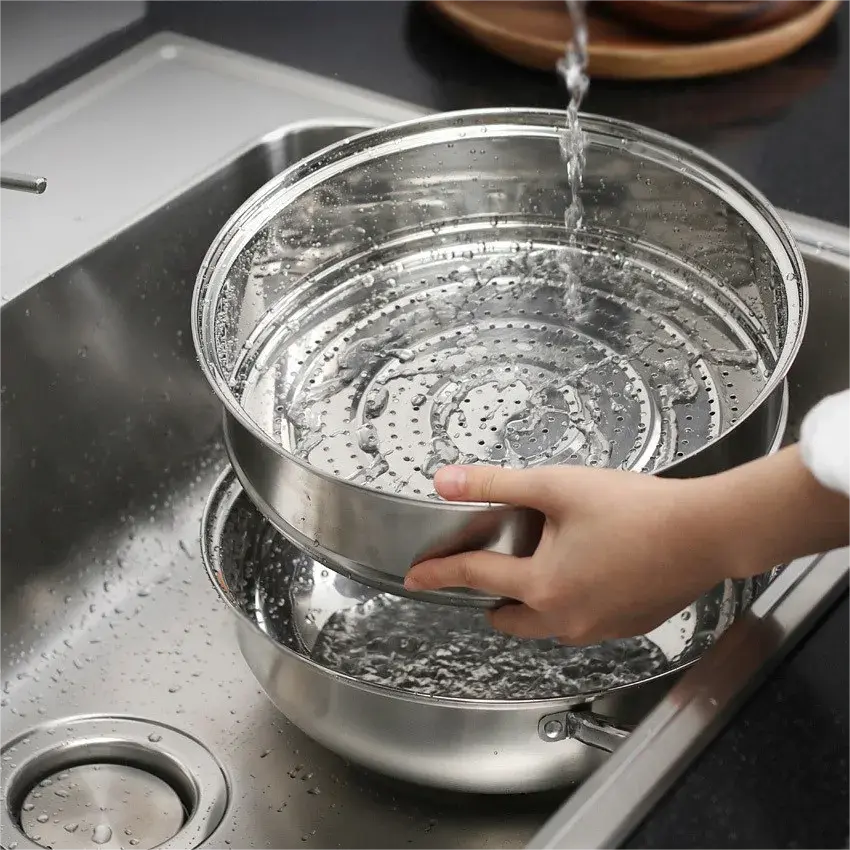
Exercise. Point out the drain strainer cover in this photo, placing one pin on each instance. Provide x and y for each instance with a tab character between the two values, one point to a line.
107	805
110	782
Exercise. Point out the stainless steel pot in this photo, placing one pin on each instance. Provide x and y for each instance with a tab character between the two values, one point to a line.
394	302
464	744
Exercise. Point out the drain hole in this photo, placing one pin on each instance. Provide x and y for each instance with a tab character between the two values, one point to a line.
102	805
109	782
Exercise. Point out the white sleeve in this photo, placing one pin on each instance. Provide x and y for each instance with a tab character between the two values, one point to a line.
825	442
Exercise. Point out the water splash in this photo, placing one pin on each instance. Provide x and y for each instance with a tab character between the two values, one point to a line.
439	651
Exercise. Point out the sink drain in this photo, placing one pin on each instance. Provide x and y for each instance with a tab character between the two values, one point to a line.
110	805
110	782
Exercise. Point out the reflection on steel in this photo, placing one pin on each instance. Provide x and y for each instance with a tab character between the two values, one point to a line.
111	445
23	183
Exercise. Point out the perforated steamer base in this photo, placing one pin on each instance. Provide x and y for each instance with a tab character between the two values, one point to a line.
471	356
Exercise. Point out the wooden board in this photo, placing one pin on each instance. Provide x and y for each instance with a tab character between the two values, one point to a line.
704	19
534	33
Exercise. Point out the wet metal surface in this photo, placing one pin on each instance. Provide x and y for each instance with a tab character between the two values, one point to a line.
110	805
110	447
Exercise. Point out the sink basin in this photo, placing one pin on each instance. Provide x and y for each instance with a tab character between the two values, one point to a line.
110	446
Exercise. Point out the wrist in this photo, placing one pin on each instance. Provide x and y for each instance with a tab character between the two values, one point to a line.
772	511
740	549
710	510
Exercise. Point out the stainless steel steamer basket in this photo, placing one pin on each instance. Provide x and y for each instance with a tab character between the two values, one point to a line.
371	576
327	315
473	745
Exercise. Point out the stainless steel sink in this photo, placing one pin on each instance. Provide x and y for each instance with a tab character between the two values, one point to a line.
821	366
110	446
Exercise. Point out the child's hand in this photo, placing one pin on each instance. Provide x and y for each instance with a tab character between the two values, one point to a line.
621	552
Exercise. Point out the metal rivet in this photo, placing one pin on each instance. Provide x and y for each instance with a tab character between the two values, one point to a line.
553	729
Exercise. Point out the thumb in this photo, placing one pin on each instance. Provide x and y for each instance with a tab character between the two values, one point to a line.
532	488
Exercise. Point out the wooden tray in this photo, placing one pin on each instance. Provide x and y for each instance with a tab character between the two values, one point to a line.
534	33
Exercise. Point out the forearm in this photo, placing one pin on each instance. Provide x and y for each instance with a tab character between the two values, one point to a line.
773	510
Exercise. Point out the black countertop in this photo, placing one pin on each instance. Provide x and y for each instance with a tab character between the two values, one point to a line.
783	127
778	774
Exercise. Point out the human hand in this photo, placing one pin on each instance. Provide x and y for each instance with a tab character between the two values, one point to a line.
619	553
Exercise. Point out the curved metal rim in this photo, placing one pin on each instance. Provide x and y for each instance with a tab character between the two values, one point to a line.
781	420
224	494
251	216
385	582
39	743
369	576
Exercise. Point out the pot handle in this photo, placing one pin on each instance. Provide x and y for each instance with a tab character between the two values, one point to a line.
584	726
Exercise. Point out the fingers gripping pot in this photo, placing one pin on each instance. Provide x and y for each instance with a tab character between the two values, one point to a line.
430	694
410	297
